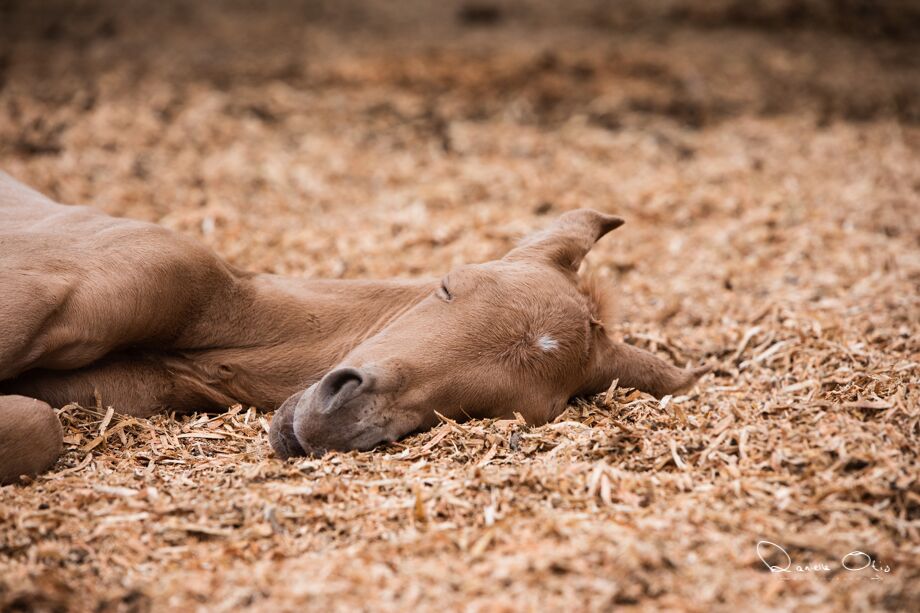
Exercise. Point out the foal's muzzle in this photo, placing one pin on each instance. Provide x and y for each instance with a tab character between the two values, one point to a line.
334	414
281	436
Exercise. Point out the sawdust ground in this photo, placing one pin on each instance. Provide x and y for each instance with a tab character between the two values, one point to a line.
771	182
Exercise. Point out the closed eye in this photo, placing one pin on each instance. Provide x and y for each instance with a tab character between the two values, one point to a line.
444	293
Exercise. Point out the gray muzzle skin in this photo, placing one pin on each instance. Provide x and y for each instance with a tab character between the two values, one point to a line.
335	413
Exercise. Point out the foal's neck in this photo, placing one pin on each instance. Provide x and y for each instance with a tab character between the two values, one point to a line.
277	335
342	313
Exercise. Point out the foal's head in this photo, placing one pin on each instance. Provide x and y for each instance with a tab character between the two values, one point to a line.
519	334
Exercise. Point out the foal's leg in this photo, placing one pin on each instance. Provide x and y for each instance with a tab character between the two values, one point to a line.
27	303
141	385
30	437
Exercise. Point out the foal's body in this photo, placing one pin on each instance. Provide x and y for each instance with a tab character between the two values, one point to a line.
150	320
154	321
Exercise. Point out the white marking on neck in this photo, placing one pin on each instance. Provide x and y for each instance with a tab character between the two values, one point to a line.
547	343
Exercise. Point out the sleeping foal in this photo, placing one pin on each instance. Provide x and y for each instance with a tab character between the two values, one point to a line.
154	321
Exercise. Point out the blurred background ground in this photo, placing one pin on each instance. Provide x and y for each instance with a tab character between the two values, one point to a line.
767	158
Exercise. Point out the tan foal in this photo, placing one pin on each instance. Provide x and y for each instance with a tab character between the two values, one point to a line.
155	321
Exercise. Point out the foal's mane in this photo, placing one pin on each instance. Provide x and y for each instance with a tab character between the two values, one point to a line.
599	293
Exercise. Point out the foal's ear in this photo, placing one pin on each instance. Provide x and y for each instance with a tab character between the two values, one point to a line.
637	368
567	241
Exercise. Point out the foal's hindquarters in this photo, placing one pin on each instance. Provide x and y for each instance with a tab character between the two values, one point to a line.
31	439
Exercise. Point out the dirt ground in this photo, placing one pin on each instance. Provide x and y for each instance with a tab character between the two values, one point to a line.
770	178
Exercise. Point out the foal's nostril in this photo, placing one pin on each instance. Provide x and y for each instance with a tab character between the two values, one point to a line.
338	387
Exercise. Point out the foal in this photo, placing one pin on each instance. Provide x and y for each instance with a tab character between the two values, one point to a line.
154	321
